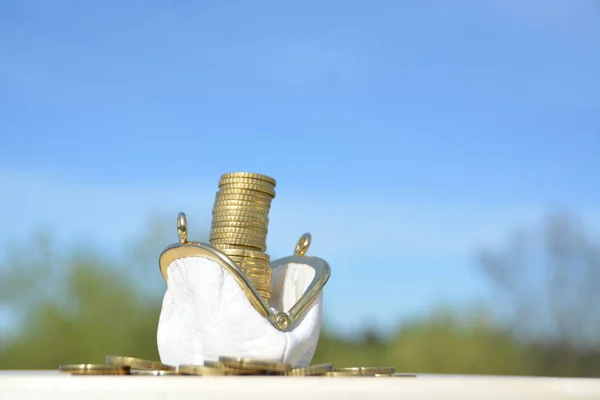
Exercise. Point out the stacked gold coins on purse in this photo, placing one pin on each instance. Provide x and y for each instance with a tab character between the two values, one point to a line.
240	224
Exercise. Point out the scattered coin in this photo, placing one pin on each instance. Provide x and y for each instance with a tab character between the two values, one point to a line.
138	363
366	371
147	372
341	374
201	370
230	369
311	370
255	365
95	369
120	365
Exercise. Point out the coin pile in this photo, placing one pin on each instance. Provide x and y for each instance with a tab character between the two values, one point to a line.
225	366
240	224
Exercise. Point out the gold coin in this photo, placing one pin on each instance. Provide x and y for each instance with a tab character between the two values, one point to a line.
138	363
251	184
148	372
238	231
341	374
260	262
254	208
367	371
265	295
265	280
259	198
311	370
226	369
258	273
251	188
95	369
250	175
243	181
261	266
227	191
240	240
264	200
226	208
260	282
237	245
241	216
229	208
251	261
201	370
255	266
243	203
255	273
253	269
246	254
262	271
252	226
258	259
262	286
259	365
247	234
227	246
240	224
261	239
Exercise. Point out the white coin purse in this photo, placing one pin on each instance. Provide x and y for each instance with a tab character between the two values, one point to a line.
211	309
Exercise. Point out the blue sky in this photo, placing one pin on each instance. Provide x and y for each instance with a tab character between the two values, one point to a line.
403	134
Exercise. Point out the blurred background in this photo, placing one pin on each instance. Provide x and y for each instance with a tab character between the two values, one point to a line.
443	154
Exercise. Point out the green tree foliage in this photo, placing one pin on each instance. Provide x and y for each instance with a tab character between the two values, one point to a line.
91	311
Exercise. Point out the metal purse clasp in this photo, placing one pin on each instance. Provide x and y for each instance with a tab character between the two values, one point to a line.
282	321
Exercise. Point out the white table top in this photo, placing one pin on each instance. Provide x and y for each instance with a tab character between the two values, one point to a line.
26	385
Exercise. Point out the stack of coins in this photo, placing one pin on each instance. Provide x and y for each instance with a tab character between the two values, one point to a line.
240	224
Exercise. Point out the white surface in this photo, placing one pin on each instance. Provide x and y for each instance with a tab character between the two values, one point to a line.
205	314
28	385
